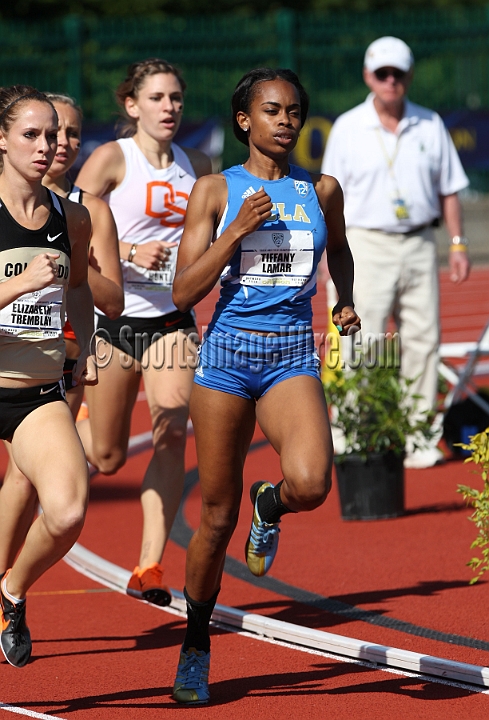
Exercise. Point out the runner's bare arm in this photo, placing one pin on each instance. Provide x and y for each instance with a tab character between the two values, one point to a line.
200	261
103	171
79	300
340	261
104	269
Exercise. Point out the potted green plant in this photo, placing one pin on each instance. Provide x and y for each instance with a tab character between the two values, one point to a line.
375	412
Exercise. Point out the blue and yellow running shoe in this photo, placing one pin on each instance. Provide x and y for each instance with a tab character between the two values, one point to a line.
261	546
192	681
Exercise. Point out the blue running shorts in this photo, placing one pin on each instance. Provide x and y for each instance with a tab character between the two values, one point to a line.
247	364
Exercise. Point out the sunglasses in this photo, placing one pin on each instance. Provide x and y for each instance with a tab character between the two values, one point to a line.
384	73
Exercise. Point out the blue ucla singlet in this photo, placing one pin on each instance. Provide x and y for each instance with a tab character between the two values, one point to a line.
271	277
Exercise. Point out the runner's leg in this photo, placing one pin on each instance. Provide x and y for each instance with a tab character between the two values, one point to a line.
168	378
223	427
18	502
55	463
18	499
294	417
105	434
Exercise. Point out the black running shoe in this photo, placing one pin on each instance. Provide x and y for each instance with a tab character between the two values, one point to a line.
15	636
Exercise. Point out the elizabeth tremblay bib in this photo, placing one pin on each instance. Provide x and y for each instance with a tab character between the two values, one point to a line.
31	338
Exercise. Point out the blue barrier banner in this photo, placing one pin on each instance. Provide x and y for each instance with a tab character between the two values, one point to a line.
470	133
469	130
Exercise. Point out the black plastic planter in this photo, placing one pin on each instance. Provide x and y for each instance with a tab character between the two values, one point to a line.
371	489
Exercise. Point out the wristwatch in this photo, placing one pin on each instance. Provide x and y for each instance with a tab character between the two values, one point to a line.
459	240
459	243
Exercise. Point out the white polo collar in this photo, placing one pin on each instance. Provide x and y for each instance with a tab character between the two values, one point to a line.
371	118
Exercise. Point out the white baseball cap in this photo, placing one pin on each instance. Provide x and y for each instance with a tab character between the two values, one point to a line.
388	51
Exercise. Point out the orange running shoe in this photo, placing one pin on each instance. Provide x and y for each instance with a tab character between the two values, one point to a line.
146	584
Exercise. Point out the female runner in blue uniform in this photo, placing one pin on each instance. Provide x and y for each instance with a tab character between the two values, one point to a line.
261	228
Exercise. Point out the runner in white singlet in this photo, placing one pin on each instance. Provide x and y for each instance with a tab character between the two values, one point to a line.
146	180
19	497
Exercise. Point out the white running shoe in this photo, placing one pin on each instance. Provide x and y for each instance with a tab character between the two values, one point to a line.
424	458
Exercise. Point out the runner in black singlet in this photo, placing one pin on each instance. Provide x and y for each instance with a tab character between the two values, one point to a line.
19	497
43	271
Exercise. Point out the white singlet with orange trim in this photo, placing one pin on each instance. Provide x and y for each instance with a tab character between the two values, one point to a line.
150	204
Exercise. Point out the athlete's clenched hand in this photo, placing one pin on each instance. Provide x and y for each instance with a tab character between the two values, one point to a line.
254	211
40	272
85	369
346	320
153	255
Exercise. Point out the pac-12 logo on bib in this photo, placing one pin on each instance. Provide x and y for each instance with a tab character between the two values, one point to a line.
301	187
278	238
162	202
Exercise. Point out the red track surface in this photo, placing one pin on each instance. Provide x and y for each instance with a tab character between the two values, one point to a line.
98	654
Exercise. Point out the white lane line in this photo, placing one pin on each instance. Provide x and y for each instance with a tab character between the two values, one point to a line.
362	663
266	628
29	713
107	573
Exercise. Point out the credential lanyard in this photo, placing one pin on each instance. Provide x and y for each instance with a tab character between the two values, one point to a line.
390	159
400	208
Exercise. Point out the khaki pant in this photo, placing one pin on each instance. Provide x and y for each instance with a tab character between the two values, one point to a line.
397	275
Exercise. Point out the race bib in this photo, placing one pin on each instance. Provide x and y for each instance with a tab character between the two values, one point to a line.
35	315
277	257
143	280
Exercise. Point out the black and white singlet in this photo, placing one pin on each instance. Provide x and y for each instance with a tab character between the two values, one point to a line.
31	338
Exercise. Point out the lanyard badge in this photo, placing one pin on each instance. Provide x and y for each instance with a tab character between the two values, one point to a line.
399	203
400	208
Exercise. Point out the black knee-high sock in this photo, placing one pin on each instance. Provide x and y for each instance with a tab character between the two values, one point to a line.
270	506
198	619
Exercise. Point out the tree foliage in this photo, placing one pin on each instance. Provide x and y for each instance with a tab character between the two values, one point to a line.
478	500
29	10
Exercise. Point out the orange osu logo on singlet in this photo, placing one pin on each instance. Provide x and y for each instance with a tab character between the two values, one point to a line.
160	193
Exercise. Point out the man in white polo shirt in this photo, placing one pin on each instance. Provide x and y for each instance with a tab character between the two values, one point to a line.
400	173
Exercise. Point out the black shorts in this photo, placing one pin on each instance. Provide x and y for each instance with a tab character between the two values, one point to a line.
17	403
68	373
134	335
